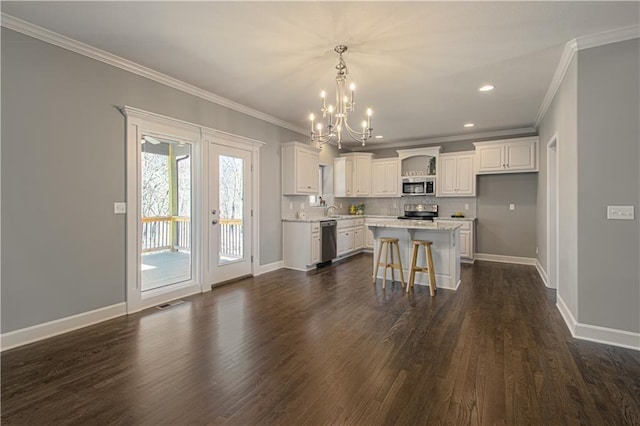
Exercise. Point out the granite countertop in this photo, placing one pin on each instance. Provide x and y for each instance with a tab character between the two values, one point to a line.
455	218
414	224
336	217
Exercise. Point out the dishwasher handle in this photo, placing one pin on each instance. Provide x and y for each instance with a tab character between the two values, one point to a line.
328	223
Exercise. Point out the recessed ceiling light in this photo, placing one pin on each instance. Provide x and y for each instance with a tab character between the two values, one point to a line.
469	125
486	88
379	136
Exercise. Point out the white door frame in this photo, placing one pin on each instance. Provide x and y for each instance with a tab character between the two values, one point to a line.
138	122
212	136
553	212
141	122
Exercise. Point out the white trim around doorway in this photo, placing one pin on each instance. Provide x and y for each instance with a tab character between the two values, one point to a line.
139	121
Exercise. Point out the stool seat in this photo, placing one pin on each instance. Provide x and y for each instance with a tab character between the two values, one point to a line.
388	261
428	269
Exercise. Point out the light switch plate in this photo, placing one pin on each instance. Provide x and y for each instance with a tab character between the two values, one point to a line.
119	208
512	206
620	212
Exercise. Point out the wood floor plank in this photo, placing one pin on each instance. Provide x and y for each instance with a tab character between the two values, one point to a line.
330	347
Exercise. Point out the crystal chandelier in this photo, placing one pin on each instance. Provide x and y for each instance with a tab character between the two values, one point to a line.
336	115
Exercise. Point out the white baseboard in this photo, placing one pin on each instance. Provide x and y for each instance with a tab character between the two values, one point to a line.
597	334
542	273
608	336
506	259
566	315
263	269
37	332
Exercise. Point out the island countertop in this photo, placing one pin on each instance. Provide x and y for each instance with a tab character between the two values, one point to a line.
413	224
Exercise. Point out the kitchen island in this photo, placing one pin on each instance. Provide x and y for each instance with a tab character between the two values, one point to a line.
445	248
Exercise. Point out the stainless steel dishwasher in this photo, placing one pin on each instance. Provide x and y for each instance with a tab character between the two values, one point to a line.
328	240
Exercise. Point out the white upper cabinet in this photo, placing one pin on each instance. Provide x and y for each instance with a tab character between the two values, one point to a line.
352	175
507	156
300	169
385	176
456	177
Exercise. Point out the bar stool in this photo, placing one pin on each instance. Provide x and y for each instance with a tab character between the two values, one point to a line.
388	264
429	269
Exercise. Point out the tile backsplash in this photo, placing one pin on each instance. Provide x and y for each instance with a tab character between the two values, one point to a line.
378	206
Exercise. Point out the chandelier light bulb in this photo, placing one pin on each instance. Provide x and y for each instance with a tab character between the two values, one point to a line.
369	112
364	124
352	87
323	94
312	117
319	127
330	109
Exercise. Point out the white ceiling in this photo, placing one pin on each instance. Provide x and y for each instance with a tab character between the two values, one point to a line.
417	64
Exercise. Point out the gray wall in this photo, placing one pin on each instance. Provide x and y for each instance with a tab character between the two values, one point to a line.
561	118
63	166
502	231
596	116
608	174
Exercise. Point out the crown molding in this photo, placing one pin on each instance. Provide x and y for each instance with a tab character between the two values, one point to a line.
571	48
608	37
467	137
68	43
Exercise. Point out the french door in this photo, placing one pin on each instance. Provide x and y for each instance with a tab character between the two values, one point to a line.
230	207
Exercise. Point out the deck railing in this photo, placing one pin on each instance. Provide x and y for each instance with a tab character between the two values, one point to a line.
231	237
174	233
166	233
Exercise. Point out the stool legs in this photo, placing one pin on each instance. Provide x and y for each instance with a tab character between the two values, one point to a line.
429	269
375	273
432	274
412	271
388	261
400	266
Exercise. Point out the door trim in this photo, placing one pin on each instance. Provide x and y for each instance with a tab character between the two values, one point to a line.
553	240
137	121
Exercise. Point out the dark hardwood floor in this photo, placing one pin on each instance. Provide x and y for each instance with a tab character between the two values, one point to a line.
328	347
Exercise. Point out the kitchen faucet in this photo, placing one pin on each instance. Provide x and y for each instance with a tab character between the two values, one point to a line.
332	206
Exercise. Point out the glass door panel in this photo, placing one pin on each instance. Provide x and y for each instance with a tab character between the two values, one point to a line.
166	205
231	188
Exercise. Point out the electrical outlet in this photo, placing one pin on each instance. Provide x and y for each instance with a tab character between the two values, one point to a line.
620	212
536	250
119	208
340	205
466	206
290	206
512	206
301	206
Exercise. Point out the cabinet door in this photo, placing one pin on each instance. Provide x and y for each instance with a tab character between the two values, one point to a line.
362	177
465	177
465	244
391	176
358	238
447	175
369	238
490	158
343	242
307	170
315	247
520	156
378	179
348	176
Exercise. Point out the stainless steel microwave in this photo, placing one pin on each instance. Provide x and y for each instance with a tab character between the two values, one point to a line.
418	186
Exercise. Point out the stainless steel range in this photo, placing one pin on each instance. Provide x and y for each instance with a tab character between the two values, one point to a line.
420	211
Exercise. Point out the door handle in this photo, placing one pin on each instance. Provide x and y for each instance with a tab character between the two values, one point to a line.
214	222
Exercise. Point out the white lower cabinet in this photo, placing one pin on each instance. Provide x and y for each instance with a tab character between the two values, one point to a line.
301	245
467	251
350	235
